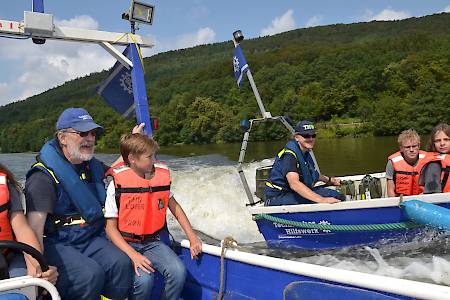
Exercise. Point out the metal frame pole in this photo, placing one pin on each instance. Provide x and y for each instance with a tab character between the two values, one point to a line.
37	6
240	169
264	113
139	91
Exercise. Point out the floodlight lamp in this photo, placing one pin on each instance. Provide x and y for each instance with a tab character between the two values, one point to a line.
238	36
141	12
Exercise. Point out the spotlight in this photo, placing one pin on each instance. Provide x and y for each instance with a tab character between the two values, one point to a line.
238	36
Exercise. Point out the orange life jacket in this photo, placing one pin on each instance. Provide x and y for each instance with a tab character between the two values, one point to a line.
444	159
406	177
5	225
142	203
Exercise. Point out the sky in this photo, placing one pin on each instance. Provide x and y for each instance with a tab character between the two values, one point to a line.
27	69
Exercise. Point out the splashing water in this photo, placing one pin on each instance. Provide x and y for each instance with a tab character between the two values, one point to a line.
215	201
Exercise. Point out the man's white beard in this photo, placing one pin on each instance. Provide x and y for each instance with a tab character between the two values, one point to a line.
75	154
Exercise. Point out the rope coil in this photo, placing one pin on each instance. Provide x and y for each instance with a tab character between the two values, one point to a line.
355	227
227	242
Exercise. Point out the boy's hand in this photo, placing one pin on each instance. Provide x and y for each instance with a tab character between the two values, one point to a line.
195	247
141	262
138	128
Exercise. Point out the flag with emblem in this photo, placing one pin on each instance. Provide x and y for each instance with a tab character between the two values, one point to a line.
239	64
117	89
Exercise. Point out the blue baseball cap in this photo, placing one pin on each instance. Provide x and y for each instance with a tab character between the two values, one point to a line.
305	127
78	119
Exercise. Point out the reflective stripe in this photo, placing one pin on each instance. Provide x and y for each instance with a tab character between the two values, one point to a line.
271	185
280	154
50	171
76	221
83	175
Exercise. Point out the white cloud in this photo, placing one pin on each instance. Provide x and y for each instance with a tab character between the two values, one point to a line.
387	14
314	21
202	36
83	21
40	67
279	24
447	9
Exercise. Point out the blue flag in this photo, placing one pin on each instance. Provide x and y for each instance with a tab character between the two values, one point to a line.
239	64
117	89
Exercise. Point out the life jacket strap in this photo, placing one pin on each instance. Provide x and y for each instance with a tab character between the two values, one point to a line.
273	186
120	190
5	206
407	173
151	189
140	238
446	171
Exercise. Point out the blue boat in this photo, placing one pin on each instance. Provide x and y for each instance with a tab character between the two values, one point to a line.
252	276
323	225
319	226
233	274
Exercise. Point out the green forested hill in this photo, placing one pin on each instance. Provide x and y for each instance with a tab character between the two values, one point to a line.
390	75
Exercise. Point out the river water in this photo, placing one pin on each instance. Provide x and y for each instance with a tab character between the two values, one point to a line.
207	185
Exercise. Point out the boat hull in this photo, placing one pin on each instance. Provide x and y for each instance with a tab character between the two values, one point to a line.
280	234
251	276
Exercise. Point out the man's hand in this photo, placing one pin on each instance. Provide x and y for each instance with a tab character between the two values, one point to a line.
138	128
329	200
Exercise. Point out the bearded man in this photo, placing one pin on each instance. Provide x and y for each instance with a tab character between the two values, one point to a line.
65	193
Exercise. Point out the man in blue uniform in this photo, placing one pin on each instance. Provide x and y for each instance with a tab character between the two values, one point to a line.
293	174
66	193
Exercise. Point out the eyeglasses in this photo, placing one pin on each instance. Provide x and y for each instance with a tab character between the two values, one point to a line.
411	147
307	136
85	134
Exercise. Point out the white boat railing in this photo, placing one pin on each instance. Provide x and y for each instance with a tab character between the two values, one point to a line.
358	204
26	285
403	287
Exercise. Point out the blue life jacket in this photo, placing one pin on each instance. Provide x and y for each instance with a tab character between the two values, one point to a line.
277	182
78	212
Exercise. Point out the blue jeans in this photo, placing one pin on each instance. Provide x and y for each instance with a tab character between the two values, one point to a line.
291	198
165	261
88	271
17	266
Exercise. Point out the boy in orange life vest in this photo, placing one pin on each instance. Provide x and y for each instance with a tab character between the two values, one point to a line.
135	209
403	167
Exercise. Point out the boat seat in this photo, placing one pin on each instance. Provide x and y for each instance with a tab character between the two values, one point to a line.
262	174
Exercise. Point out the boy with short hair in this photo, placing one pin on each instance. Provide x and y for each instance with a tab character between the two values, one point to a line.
135	208
404	166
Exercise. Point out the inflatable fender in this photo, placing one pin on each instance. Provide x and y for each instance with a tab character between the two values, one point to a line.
427	214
